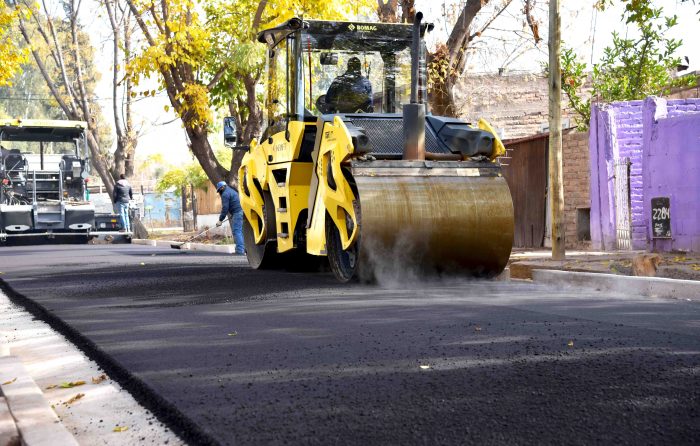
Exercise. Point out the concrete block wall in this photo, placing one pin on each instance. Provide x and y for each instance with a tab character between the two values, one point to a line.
576	183
516	104
680	107
685	92
627	143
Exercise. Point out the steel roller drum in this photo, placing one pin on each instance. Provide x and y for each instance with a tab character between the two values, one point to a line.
440	219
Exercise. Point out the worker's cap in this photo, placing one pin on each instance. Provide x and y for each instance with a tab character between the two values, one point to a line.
220	185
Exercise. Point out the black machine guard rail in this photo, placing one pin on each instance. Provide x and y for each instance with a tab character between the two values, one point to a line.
5	235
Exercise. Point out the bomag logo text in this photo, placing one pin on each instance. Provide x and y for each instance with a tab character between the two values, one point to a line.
353	27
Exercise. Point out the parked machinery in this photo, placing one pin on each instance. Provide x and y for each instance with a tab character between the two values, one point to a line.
43	167
372	183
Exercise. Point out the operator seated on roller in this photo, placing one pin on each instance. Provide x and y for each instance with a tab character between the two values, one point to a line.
231	208
350	92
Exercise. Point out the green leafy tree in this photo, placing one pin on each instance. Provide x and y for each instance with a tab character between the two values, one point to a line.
632	68
178	177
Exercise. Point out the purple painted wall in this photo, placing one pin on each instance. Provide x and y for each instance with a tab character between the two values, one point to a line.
602	210
617	135
672	169
619	131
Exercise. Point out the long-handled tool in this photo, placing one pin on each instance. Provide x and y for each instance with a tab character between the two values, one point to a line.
179	245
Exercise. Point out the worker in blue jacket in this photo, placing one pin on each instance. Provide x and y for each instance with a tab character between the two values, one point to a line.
231	208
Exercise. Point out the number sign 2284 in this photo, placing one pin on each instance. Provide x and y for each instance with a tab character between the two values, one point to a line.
663	213
661	217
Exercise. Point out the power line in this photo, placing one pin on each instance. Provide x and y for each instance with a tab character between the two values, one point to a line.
50	98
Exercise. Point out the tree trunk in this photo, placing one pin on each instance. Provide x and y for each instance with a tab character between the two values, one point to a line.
248	128
200	147
97	161
130	137
126	139
441	100
408	11
254	122
388	11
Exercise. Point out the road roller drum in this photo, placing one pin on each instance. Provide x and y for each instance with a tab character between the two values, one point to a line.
440	219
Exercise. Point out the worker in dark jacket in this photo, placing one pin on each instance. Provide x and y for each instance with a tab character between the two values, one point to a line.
231	208
121	197
350	92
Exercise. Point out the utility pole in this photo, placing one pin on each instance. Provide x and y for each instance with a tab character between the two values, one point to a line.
556	187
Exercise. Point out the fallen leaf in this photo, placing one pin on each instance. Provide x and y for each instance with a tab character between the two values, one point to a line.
99	379
424	367
72	384
7	383
233	333
477	328
74	399
570	343
120	428
52	386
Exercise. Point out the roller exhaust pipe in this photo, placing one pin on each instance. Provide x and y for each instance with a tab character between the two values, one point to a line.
414	113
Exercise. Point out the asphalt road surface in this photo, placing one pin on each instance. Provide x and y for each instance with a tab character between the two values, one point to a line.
228	355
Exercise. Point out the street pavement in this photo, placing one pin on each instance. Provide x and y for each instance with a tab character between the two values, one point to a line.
228	355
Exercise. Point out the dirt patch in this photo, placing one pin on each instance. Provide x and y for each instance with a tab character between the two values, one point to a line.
179	236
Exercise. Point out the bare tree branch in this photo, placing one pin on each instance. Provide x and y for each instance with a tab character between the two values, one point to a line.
258	15
531	22
78	62
44	72
115	67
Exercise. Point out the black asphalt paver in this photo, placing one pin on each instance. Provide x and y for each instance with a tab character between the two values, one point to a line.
229	355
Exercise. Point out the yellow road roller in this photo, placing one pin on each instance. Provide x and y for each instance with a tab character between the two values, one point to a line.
351	167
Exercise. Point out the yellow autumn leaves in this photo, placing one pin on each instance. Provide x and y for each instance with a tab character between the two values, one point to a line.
11	56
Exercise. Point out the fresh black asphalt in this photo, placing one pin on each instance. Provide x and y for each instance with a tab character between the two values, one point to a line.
229	355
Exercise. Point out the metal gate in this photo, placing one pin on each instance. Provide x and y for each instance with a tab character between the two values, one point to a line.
622	204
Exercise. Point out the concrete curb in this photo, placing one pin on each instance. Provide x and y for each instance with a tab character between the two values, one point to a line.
643	286
226	249
202	247
8	431
140	241
36	422
163	243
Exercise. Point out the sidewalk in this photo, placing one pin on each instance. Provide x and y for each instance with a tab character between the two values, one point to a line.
677	276
683	266
56	396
